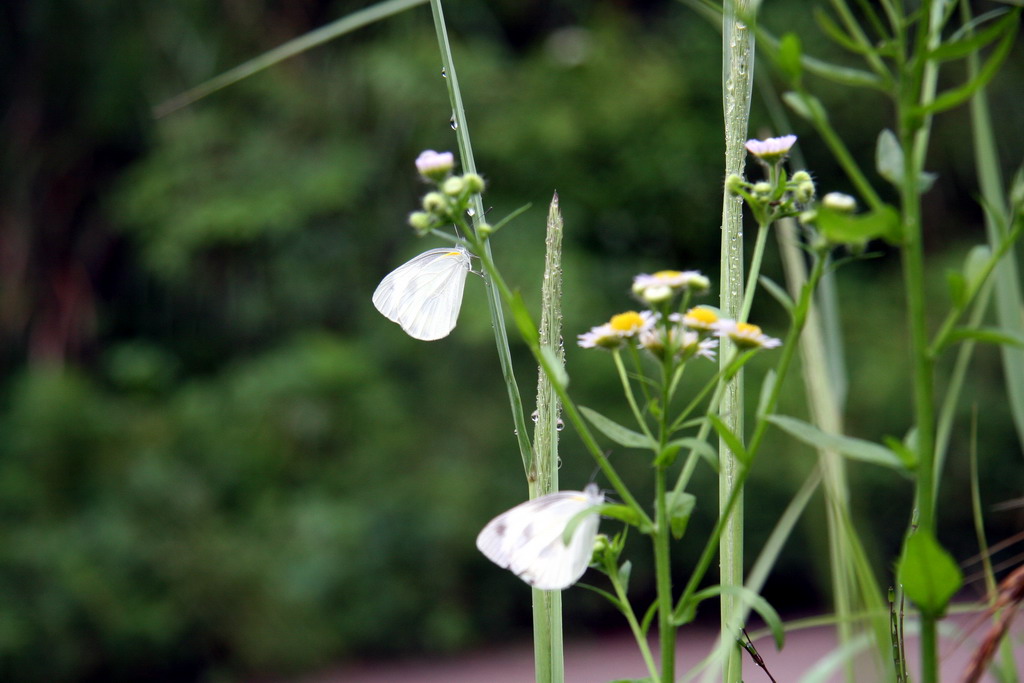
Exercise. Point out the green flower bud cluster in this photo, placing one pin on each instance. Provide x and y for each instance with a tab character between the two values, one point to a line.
775	198
451	198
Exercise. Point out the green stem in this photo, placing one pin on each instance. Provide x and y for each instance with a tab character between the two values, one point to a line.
914	132
755	271
634	626
738	69
493	299
663	576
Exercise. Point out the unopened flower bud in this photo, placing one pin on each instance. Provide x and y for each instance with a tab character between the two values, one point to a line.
434	202
837	201
420	221
697	283
804	192
453	187
474	183
655	294
762	188
435	165
485	229
801	177
733	184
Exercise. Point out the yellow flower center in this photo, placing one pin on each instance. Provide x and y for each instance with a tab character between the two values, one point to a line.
667	274
624	322
748	329
702	315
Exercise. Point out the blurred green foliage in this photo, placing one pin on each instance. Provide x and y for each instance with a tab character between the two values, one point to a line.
216	458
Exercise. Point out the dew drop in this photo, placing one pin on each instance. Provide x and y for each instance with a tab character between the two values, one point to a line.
470	212
444	72
453	123
560	425
535	416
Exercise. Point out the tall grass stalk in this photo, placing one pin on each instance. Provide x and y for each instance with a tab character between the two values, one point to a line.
737	75
543	475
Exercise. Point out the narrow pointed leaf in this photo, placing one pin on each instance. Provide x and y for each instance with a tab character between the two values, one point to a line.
616	432
856	449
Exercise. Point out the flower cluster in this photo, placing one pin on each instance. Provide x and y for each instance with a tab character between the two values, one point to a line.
664	334
778	196
443	205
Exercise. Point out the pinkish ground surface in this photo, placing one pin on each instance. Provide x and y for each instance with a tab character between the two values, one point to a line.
614	657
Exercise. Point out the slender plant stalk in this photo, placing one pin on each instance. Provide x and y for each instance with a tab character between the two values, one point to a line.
914	133
1009	300
493	297
346	24
737	73
543	477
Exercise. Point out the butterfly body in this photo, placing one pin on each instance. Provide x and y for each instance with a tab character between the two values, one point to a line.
529	539
424	295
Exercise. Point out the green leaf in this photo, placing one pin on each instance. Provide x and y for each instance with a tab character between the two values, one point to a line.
732	441
616	432
986	335
789	55
756	602
625	571
807	106
856	230
957	96
561	376
976	263
929	575
766	392
957	288
958	48
905	453
833	31
777	292
623	513
605	594
679	506
889	157
703	448
856	449
889	162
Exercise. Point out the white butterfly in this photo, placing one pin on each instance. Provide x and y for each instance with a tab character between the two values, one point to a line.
424	295
528	538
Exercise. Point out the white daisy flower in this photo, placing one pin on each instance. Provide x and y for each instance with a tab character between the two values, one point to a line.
620	328
651	287
771	150
691	345
700	318
745	335
602	336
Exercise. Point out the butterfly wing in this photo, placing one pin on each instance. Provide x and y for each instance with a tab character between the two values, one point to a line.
424	295
528	538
